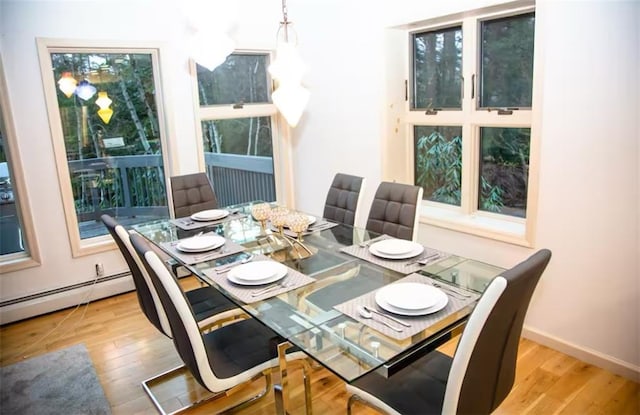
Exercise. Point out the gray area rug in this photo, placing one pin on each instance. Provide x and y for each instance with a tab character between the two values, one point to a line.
60	382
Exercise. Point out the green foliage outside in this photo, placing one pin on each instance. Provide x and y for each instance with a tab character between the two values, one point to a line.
438	69
503	168
438	163
507	61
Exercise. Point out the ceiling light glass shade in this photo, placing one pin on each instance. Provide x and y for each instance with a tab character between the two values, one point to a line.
103	100
288	66
67	84
85	90
105	114
210	49
291	100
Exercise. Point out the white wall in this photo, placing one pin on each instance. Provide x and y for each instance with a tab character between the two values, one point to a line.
587	300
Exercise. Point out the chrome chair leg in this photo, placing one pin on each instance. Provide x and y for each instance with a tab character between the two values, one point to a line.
147	384
354	398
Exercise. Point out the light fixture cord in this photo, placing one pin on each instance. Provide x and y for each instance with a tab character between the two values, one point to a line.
285	21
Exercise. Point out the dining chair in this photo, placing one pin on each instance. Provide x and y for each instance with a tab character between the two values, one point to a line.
192	193
343	199
395	210
210	306
481	373
222	359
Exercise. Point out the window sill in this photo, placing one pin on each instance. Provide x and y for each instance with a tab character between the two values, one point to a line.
513	231
17	262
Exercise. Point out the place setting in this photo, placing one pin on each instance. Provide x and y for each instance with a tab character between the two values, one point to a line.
396	254
201	247
406	307
257	278
206	218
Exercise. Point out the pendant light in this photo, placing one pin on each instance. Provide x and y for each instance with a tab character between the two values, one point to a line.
290	97
67	84
85	90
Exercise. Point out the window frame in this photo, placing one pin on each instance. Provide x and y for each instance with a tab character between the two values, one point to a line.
47	46
467	217
280	132
30	257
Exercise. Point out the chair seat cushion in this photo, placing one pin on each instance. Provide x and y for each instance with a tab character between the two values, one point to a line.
238	347
417	389
207	302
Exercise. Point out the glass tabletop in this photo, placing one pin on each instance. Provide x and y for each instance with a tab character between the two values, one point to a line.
313	316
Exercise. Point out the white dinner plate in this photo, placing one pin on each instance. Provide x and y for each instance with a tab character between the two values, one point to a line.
257	273
403	312
201	243
211	214
416	249
394	246
410	295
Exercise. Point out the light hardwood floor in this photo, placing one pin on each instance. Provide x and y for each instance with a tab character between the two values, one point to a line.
126	349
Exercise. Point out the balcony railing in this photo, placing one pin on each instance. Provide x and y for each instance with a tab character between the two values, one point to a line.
130	186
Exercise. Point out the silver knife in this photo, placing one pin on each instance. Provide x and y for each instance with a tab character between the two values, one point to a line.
373	310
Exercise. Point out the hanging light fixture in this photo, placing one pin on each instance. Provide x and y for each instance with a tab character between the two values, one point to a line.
290	97
103	102
211	48
209	22
67	84
85	90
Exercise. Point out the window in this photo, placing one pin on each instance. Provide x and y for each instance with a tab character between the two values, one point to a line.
470	112
237	126
108	131
18	247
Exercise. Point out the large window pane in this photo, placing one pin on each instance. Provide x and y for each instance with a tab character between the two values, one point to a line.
507	61
114	158
238	152
242	78
438	162
437	69
239	159
504	170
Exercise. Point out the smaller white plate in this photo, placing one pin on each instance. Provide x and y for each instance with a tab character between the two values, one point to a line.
410	295
201	243
415	251
257	273
435	308
395	246
211	214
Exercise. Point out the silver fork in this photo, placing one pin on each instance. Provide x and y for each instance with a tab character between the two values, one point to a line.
281	284
424	260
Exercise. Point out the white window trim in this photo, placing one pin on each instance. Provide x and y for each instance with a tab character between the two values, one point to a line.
401	120
281	133
46	46
31	256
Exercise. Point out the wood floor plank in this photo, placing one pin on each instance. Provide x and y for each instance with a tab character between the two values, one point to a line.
126	349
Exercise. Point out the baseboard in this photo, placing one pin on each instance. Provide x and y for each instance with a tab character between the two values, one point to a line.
64	298
584	354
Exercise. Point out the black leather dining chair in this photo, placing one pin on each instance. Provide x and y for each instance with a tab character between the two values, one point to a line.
343	199
221	359
210	306
395	210
192	193
482	371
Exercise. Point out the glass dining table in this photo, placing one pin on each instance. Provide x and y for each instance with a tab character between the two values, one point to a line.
336	296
